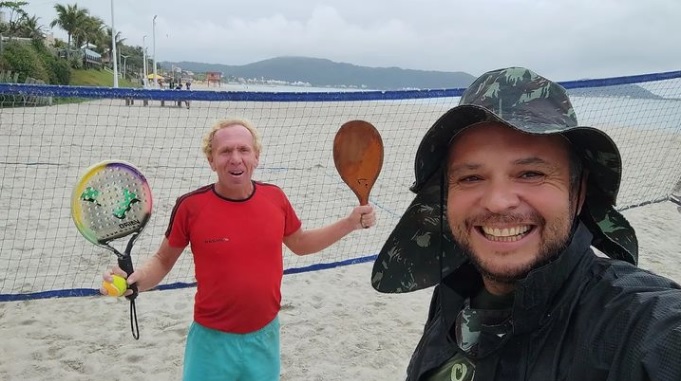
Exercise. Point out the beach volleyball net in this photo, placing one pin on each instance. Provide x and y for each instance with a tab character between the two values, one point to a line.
50	134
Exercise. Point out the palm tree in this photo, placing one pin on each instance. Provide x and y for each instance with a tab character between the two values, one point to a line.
89	30
15	7
69	18
29	28
109	44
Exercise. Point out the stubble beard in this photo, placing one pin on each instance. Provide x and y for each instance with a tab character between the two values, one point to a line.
554	239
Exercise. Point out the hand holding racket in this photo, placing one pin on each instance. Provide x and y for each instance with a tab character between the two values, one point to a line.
112	200
358	156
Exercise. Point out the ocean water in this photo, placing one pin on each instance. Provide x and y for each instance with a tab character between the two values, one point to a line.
276	88
638	113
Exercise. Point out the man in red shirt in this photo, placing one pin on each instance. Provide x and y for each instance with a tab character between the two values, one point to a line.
236	228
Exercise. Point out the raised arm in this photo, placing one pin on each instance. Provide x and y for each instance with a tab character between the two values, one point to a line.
304	242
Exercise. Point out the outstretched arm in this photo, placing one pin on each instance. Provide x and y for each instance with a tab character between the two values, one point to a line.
304	242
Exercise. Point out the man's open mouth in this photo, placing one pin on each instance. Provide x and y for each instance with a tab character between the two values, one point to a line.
507	234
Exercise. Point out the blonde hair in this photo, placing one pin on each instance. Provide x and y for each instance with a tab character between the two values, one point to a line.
224	123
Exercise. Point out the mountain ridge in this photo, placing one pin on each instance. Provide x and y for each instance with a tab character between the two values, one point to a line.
320	72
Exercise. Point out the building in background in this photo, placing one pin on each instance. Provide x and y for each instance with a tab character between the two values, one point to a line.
215	77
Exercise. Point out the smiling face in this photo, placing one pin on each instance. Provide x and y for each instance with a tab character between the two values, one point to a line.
234	158
508	201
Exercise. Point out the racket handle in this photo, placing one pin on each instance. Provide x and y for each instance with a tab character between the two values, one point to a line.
125	263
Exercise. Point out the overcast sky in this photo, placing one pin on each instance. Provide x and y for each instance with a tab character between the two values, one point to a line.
560	39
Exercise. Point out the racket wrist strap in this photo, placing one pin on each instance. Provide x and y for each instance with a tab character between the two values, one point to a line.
125	263
134	327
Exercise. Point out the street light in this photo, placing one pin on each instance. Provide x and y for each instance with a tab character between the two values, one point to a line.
144	59
125	61
153	36
113	50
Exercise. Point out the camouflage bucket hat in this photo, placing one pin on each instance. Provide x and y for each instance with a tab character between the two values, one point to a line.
421	250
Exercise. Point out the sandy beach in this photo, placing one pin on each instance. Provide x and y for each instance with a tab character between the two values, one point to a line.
334	325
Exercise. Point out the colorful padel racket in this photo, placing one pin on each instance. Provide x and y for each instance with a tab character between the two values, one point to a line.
358	156
112	200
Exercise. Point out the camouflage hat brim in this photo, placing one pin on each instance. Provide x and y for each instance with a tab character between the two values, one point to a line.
421	251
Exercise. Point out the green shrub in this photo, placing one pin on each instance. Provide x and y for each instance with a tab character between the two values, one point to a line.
60	70
25	60
76	62
35	60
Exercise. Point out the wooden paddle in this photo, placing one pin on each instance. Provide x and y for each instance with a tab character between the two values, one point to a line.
358	155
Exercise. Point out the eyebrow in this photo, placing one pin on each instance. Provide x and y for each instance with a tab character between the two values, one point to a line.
235	146
532	160
463	167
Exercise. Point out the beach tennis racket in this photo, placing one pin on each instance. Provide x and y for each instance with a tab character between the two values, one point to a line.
112	201
358	155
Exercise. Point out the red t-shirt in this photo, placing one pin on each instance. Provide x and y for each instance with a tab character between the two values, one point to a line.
238	260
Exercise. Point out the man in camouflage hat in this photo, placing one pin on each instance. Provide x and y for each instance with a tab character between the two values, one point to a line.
511	195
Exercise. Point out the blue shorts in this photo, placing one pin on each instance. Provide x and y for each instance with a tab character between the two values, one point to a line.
215	355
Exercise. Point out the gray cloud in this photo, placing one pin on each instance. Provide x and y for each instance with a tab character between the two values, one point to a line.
562	39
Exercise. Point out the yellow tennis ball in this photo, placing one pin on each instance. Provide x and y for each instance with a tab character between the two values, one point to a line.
117	287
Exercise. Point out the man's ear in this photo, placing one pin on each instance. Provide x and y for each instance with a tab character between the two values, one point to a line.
210	162
582	190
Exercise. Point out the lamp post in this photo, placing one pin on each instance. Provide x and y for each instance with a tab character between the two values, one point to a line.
144	60
153	37
125	62
113	49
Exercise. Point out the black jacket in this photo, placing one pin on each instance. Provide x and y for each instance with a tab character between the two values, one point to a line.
580	317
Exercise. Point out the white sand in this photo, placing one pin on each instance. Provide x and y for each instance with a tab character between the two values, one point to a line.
334	325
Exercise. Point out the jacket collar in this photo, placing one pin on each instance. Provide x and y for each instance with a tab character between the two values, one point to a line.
535	293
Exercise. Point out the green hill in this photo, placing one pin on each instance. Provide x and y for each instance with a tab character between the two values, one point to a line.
325	73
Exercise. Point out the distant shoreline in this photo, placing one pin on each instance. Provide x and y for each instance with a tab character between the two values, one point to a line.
235	86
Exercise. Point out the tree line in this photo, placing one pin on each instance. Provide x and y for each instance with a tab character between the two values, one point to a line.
52	62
